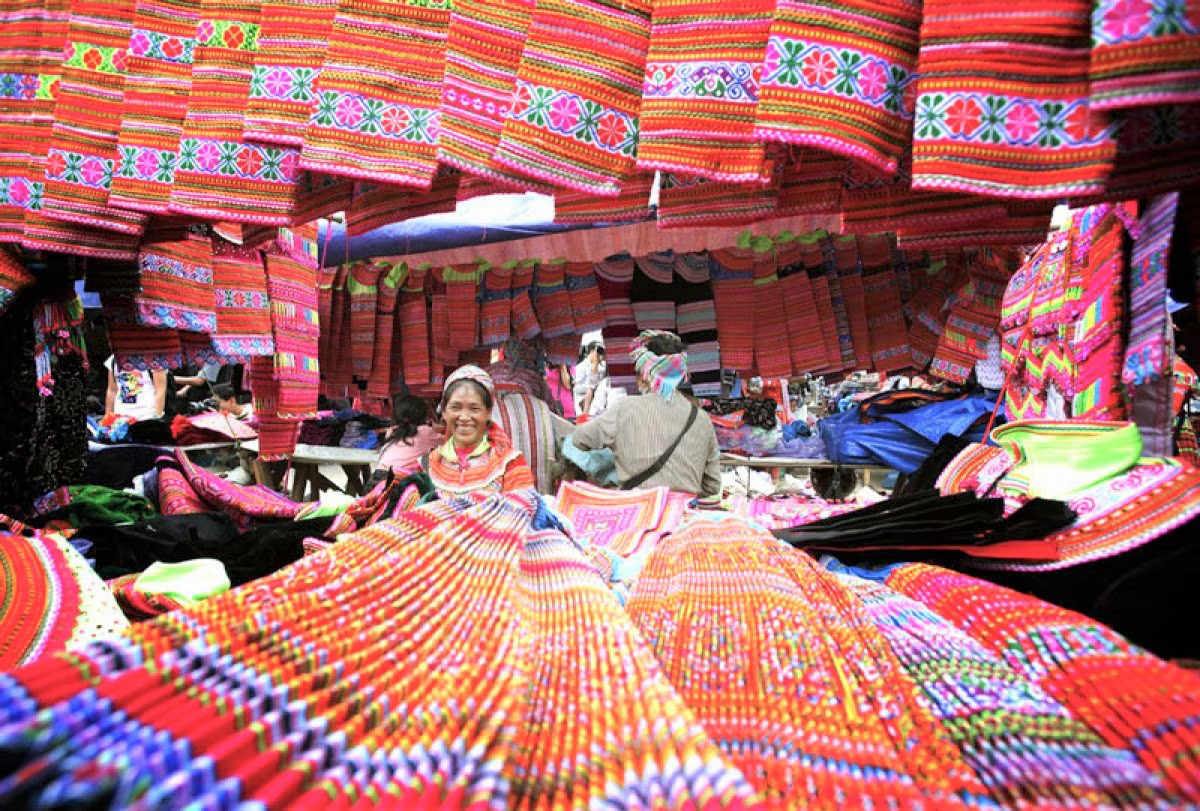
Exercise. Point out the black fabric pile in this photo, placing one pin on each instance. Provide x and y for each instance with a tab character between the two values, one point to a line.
932	522
757	413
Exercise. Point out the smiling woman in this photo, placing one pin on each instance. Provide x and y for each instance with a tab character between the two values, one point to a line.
477	455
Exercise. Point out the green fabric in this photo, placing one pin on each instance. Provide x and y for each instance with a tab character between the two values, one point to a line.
188	582
1057	459
331	504
93	505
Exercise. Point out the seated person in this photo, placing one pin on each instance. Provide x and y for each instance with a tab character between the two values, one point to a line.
412	437
195	387
478	455
229	402
139	394
658	438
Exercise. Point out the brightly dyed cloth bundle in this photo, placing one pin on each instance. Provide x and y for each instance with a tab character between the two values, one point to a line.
662	373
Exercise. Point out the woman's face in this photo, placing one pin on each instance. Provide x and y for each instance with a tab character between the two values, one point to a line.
466	417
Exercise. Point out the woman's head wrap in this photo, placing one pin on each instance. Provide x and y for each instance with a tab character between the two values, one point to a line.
663	373
470	372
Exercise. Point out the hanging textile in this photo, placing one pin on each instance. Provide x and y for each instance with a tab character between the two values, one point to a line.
840	77
176	271
495	305
974	316
292	286
524	321
158	82
701	87
414	328
362	289
319	195
14	278
1158	151
376	205
1143	56
733	295
573	115
135	346
287	69
441	349
806	345
383	368
933	281
587	308
696	321
1097	344
614	278
1003	104
243	308
772	357
82	156
631	203
483	52
848	259
552	300
218	175
651	292
886	326
462	291
841	317
1023	223
686	202
374	124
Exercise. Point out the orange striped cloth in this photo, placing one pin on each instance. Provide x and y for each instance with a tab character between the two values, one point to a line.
362	287
806	345
632	202
840	77
587	308
414	328
158	81
614	278
496	305
462	291
376	115
83	154
573	119
850	275
383	366
287	67
441	350
337	373
810	182
375	205
734	296
701	89
218	175
242	305
687	202
1144	54
176	272
772	358
319	195
1003	107
552	300
523	318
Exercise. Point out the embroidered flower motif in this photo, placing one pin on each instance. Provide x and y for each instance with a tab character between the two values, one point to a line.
962	117
278	83
92	59
564	113
612	130
872	80
172	48
233	37
349	112
1171	17
929	123
288	164
92	172
204	32
56	164
249	162
819	68
166	167
1052	124
395	119
1022	122
1125	19
991	119
208	156
140	44
18	192
848	63
783	61
522	97
146	163
120	61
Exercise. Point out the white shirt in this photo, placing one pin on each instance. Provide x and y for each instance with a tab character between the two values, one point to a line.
135	392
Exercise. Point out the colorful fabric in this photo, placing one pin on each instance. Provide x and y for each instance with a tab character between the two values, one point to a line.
292	287
472	373
772	357
651	293
1149	352
496	305
384	369
158	81
614	278
696	320
806	344
688	202
572	121
462	295
375	205
529	422
82	156
293	40
522	315
632	202
624	522
662	373
14	278
704	65
242	304
1143	55
841	77
193	487
1003	105
846	256
177	282
362	288
587	308
499	469
136	346
552	300
380	125
414	328
733	294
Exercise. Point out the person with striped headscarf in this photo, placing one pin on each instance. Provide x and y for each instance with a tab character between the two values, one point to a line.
661	437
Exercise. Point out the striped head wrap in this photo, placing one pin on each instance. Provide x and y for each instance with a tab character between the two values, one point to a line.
470	372
663	373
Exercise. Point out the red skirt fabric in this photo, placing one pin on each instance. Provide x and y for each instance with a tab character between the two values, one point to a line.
243	308
414	328
806	345
495	310
632	202
462	291
686	202
552	300
292	286
383	379
135	346
587	308
362	288
177	283
733	294
614	279
772	357
523	318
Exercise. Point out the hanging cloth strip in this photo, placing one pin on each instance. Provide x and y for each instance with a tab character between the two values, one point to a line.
483	52
524	321
496	305
587	308
840	77
441	350
614	278
376	205
810	182
806	344
816	255
462	290
631	203
158	82
82	156
885	322
135	346
382	382
573	116
1003	107
1143	57
552	300
218	175
686	202
243	308
696	321
1158	151
703	66
177	282
846	255
325	318
414	327
651	293
319	195
362	288
733	295
287	68
841	316
292	286
380	122
1023	223
772	357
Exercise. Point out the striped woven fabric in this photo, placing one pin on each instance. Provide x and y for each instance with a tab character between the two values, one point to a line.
523	318
686	202
835	683
376	205
383	367
841	316
733	294
1094	673
243	307
848	261
573	116
135	346
177	282
1090	771
1143	55
973	318
614	278
816	253
336	372
839	75
562	350
1003	106
379	120
1158	151
495	305
529	423
14	278
277	437
652	293
319	195
325	318
362	289
82	153
292	45
1024	223
772	357
483	52
810	182
696	321
218	175
1148	353
885	321
462	291
806	344
414	328
587	308
443	356
158	82
632	202
292	286
701	89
